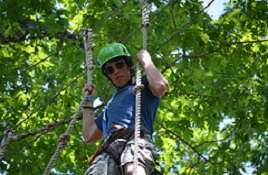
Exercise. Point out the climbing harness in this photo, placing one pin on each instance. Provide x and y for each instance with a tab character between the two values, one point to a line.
123	133
139	86
63	139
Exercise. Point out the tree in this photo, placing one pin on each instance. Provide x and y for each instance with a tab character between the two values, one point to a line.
212	121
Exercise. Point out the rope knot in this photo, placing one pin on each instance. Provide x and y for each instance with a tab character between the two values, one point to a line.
64	138
145	15
137	88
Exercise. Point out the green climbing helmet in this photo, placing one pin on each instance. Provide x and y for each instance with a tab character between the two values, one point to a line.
111	51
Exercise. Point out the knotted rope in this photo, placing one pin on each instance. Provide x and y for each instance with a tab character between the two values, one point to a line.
63	139
138	88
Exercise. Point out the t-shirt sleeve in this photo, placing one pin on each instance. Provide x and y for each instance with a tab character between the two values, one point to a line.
98	121
147	90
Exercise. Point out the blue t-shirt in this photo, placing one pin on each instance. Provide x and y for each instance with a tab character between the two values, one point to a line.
121	109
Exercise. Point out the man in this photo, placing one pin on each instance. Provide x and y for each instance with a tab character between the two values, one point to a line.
116	123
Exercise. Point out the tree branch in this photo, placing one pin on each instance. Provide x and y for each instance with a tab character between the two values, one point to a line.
42	130
28	31
50	100
207	6
186	143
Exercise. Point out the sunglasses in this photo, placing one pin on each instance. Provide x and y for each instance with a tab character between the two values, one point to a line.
110	69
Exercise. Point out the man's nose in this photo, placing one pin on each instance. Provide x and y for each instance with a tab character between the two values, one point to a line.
115	69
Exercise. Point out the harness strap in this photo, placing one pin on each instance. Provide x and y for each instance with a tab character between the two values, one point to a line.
123	133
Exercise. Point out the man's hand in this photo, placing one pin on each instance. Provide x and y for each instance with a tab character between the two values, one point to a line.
157	82
144	57
89	89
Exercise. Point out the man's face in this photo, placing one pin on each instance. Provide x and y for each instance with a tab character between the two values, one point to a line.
118	71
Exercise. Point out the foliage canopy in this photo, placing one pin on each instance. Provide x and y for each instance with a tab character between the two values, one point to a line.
212	121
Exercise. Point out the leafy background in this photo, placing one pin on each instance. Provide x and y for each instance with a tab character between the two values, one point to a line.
212	121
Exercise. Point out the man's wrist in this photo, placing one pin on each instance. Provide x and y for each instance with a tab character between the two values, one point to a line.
88	107
88	102
88	98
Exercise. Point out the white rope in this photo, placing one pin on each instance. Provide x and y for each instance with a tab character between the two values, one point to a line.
89	58
145	23
63	139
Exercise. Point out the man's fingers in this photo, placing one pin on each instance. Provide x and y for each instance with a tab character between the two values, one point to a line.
89	89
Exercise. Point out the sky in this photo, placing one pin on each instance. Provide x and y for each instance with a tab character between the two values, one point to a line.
216	8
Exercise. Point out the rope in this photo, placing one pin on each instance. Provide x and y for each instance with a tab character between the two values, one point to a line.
89	59
63	139
145	24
